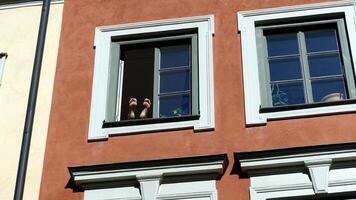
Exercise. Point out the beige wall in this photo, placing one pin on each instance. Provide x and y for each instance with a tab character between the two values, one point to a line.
18	36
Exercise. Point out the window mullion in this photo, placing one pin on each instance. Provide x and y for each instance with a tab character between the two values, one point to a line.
308	92
156	85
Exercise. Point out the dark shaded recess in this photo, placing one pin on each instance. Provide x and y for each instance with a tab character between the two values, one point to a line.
138	77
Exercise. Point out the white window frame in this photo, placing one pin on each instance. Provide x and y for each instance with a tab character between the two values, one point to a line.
247	26
102	43
312	173
3	57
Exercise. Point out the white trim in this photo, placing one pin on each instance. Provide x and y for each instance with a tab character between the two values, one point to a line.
212	195
246	26
312	173
319	174
103	35
2	66
27	4
297	159
85	177
116	182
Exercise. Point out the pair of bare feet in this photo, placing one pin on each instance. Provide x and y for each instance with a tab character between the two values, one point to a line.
132	108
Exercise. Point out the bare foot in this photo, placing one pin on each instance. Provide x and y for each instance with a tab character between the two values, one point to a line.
146	105
132	108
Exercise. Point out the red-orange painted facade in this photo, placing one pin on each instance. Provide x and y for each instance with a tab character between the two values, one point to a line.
67	143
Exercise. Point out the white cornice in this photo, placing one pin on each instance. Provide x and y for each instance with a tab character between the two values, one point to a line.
296	159
27	4
95	174
164	22
303	7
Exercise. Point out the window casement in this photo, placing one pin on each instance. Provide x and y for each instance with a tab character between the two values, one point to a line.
304	63
151	76
298	60
3	56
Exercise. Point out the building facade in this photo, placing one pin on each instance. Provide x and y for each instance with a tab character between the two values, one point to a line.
20	22
203	100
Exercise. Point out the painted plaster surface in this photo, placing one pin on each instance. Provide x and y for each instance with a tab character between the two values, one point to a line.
67	143
18	39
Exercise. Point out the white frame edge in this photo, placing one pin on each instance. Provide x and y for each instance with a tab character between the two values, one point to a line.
102	41
99	176
246	26
2	66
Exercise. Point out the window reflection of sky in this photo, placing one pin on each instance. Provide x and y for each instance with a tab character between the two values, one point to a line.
323	61
178	105
175	77
323	40
175	56
282	44
175	81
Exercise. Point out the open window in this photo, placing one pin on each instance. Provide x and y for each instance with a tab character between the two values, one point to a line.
153	76
158	80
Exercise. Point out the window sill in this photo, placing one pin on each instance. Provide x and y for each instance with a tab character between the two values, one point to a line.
308	112
134	122
306	106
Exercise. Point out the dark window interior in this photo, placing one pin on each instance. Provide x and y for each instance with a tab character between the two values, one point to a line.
138	77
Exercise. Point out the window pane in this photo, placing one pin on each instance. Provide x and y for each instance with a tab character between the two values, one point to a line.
173	81
324	65
282	44
174	106
322	40
175	56
284	69
328	90
284	94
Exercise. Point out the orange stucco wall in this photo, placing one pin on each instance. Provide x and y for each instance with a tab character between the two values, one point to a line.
67	143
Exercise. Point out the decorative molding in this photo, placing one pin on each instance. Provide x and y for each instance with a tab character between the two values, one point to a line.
304	7
151	175
319	173
143	170
26	4
310	168
149	187
292	157
163	22
212	195
102	42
